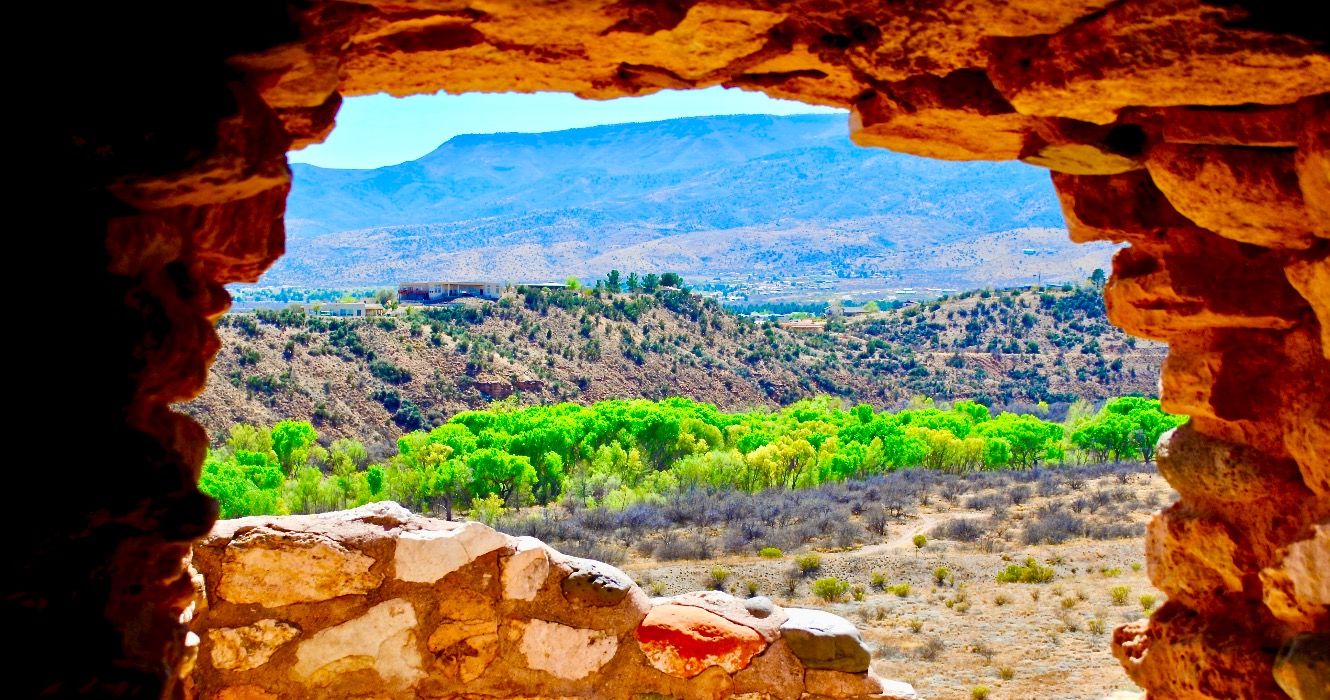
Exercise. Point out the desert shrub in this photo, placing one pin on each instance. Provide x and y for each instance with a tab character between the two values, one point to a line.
656	588
751	587
931	649
916	626
876	519
1111	573
1030	572
1147	602
808	563
1001	599
983	650
674	549
830	588
1119	594
919	541
940	575
770	553
1053	527
979	692
857	592
1069	603
959	530
900	590
1095	625
389	372
1018	495
1136	566
718	576
1006	673
877	579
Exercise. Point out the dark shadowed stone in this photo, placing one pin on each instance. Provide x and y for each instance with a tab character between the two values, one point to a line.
1303	667
825	641
595	584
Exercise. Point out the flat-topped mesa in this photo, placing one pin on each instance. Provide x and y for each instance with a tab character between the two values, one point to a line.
378	601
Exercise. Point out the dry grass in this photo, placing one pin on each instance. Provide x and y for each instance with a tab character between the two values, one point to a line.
972	631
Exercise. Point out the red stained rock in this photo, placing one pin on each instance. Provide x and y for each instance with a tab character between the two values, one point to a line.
683	641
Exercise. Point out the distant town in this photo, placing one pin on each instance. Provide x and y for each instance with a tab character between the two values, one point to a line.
801	303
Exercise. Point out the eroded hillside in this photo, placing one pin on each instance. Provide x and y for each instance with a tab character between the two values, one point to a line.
373	379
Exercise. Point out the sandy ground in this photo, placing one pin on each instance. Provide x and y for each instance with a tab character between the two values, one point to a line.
1053	638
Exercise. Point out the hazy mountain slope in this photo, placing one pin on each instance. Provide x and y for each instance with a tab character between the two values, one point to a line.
709	195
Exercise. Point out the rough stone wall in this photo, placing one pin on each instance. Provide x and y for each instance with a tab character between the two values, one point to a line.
1196	130
377	602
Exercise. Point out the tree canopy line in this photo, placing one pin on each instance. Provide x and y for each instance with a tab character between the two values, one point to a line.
613	454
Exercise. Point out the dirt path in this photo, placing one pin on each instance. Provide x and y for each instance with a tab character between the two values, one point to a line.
905	537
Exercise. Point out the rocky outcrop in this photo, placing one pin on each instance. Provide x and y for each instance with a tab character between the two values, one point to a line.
1194	130
457	608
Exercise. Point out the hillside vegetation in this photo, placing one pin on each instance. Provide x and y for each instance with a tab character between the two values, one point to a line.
614	454
730	195
374	379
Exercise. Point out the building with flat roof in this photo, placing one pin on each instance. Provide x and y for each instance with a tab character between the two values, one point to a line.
442	292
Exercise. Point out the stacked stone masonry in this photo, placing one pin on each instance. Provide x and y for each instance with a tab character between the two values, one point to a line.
378	602
1196	131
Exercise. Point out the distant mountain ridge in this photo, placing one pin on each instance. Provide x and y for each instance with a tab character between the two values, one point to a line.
715	195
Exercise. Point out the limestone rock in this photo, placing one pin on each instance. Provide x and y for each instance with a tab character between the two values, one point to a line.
383	639
1303	667
248	647
524	572
467	640
836	684
683	640
775	673
766	621
425	556
1207	468
824	641
566	652
1248	195
1297	590
280	568
594	584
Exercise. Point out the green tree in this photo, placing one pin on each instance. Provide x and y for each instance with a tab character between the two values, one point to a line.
497	472
291	440
1098	278
671	279
612	281
634	283
572	283
650	282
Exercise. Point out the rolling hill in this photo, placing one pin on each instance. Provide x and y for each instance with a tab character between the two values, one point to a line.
371	379
713	196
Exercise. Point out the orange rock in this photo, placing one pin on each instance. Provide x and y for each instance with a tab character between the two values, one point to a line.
683	641
1173	655
1196	558
955	117
1250	125
1162	53
1248	195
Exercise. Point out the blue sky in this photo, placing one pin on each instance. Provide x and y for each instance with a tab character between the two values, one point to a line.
378	130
